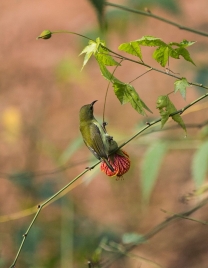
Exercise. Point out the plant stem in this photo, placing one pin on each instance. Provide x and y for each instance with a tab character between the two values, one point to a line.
154	231
149	14
40	208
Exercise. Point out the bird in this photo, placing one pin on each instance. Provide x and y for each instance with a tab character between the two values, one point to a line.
94	135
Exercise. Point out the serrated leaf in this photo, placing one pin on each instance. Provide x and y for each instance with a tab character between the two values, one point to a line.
106	59
199	164
181	85
150	41
186	43
185	54
134	238
161	55
108	75
132	48
88	50
183	43
166	108
92	48
150	167
127	93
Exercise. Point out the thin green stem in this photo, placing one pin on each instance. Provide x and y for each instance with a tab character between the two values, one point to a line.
140	76
40	208
69	32
149	14
106	93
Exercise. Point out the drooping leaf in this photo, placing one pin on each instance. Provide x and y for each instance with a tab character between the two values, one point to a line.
127	93
150	167
134	238
185	54
132	48
106	59
161	55
181	85
200	164
166	108
108	75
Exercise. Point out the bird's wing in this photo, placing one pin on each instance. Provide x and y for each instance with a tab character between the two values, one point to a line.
97	147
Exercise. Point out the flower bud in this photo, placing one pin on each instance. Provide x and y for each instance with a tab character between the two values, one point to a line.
46	34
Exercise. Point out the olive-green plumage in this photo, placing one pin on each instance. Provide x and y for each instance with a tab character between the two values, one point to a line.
94	136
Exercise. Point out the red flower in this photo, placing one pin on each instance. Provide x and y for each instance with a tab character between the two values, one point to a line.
120	162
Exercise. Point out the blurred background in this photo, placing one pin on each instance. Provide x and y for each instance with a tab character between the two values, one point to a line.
42	89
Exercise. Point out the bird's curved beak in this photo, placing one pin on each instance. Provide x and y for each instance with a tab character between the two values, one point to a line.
93	103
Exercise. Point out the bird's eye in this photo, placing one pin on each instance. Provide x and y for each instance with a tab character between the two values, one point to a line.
91	107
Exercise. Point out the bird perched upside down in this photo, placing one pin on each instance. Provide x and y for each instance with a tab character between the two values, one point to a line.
115	162
94	135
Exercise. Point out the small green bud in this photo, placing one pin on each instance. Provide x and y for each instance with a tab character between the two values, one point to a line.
46	34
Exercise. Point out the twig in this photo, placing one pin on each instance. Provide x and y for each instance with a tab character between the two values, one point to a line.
184	217
154	231
149	14
39	210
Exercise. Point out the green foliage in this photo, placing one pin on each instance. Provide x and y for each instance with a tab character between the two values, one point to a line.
166	108
181	85
199	165
163	50
97	48
127	93
150	168
132	48
108	75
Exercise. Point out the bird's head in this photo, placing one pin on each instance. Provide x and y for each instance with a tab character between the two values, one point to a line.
86	111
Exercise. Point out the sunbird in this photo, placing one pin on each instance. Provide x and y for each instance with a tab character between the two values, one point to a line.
94	135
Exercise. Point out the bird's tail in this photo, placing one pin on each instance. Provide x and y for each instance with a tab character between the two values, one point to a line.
108	164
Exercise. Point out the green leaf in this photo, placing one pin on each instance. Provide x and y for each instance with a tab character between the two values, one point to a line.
134	238
186	43
150	167
88	50
108	75
127	93
161	55
100	52
106	59
132	48
166	108
185	54
150	41
181	85
199	164
183	43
